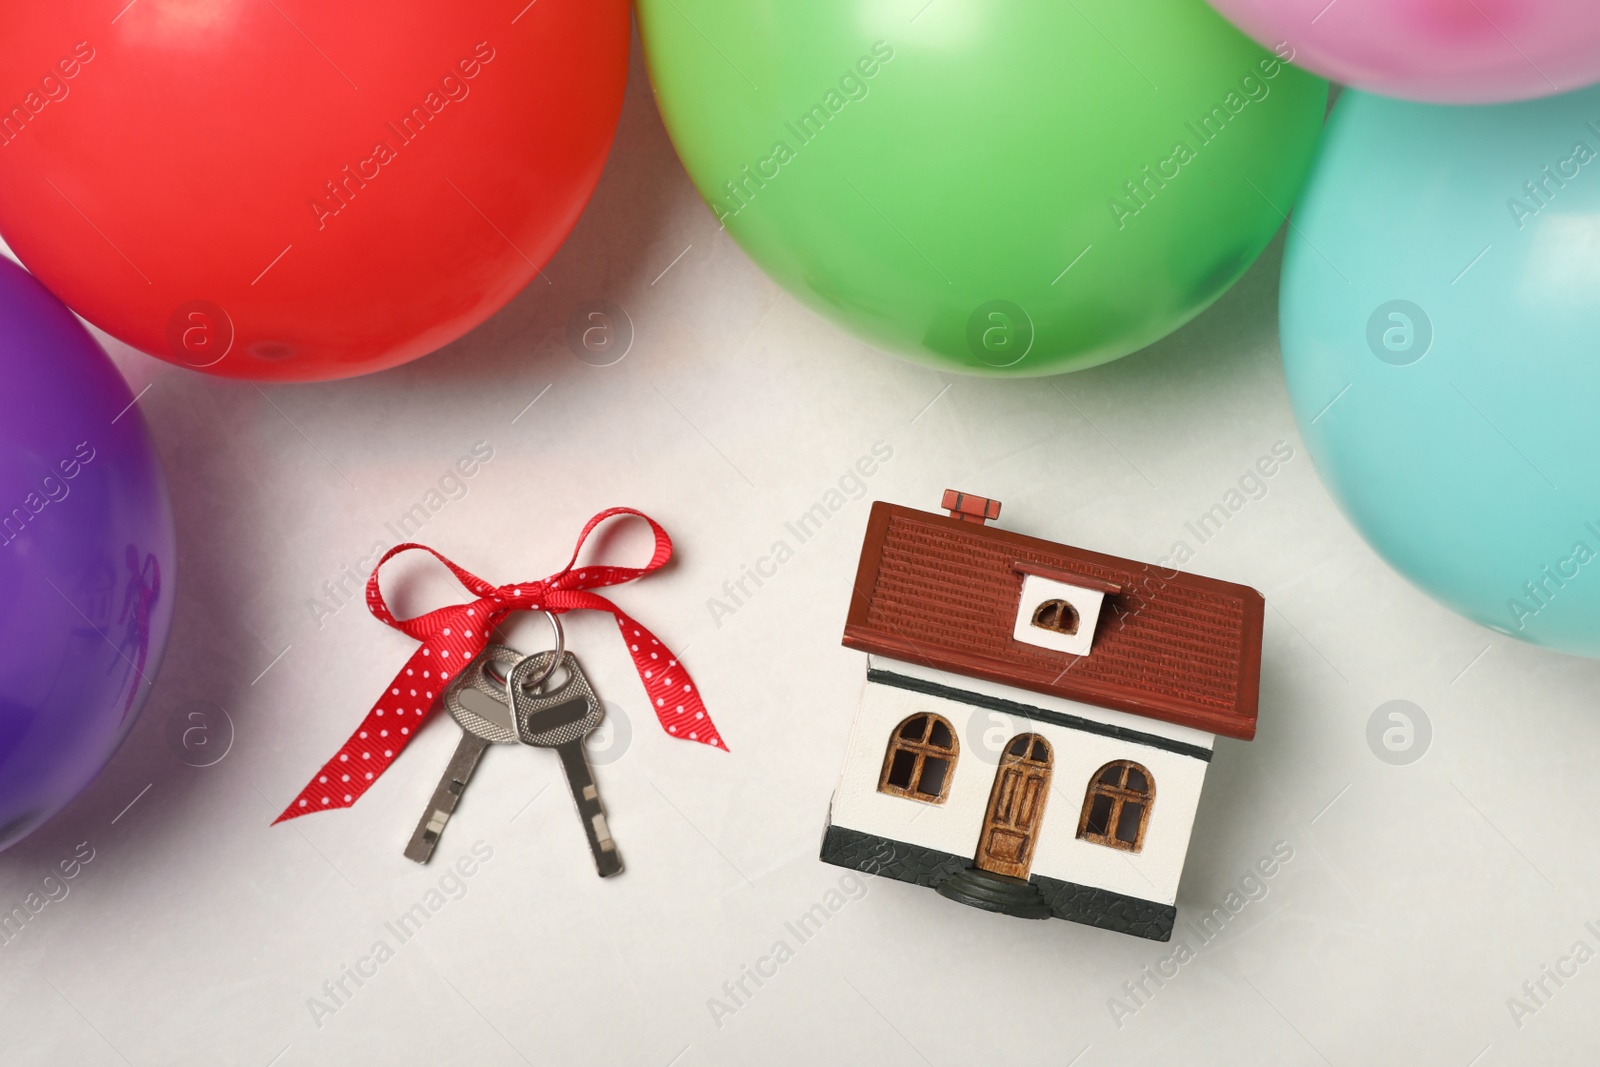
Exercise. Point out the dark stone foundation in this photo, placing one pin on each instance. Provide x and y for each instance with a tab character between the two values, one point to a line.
931	868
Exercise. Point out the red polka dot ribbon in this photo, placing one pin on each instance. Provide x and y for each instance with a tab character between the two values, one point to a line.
452	636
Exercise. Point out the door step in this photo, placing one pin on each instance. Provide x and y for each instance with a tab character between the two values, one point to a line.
996	892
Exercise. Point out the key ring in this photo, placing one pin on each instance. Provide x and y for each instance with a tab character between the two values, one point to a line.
555	659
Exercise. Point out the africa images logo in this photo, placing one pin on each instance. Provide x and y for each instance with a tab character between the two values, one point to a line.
852	85
1537	192
337	992
53	89
453	88
52	489
1142	187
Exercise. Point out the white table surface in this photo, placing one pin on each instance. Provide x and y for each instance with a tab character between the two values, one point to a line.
1419	898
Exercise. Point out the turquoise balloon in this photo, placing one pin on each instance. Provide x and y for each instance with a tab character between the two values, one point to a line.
1440	313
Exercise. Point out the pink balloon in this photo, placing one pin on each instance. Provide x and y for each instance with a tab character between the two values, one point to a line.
1445	51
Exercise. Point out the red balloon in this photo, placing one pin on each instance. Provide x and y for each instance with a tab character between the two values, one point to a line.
295	190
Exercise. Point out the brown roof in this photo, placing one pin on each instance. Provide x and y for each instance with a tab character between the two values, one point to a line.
943	592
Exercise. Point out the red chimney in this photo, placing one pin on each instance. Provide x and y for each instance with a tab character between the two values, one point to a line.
970	508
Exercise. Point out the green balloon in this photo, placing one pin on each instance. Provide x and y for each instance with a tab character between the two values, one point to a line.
994	186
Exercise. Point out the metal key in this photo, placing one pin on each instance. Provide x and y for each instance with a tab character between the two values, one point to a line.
560	716
481	707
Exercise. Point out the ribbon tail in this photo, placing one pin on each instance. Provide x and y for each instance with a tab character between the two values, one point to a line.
673	694
377	742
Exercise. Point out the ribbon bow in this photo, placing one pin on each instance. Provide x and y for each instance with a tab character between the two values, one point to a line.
452	636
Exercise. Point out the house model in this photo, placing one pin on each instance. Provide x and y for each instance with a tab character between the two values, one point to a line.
1037	719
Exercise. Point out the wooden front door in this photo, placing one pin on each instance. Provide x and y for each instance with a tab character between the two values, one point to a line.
1016	807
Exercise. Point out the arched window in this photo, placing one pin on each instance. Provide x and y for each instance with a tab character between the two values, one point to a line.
1116	808
1057	616
922	753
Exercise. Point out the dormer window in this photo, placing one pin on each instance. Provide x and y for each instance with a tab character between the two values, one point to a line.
1058	609
1057	616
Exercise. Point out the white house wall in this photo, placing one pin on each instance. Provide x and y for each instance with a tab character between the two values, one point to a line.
1171	731
954	826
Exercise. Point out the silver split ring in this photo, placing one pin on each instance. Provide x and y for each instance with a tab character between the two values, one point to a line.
555	659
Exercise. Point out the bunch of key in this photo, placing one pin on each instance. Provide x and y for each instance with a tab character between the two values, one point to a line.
544	700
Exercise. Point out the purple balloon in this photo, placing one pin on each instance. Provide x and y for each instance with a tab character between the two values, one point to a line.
86	556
